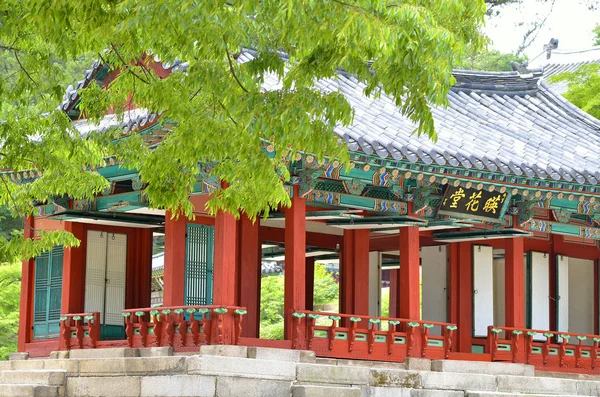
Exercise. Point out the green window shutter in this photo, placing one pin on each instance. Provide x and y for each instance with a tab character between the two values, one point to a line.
48	294
199	264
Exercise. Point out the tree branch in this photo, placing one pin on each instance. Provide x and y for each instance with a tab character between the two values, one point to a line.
126	65
10	195
231	68
22	67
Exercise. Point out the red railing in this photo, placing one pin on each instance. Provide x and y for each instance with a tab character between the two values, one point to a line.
79	330
548	350
184	326
373	338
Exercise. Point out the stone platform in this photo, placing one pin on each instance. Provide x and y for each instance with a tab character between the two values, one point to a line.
220	371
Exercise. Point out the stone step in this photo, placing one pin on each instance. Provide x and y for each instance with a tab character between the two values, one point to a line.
431	380
132	366
500	394
489	368
33	377
336	374
117	352
30	391
324	391
534	385
403	392
296	356
241	367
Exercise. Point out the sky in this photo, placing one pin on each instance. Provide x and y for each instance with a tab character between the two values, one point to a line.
570	21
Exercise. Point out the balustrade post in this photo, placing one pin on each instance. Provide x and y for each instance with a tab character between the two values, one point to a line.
449	333
79	330
562	350
425	339
332	330
516	335
392	325
529	346
372	328
65	333
352	332
128	328
194	327
169	327
578	348
157	321
219	337
181	327
143	327
410	339
310	325
546	348
239	318
594	352
493	341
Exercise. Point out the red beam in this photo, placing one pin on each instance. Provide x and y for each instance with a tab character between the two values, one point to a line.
249	274
174	271
295	265
409	280
225	259
514	281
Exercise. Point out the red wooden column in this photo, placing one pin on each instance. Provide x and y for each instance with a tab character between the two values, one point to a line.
409	305
139	269
249	274
295	261
465	297
174	273
360	251
347	274
394	300
27	287
73	271
225	260
310	283
453	282
514	281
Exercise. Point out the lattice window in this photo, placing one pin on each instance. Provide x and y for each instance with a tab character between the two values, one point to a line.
48	294
199	264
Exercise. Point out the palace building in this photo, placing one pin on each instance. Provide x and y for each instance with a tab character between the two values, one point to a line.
490	236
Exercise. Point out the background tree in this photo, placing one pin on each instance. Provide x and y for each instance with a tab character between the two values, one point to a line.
584	88
489	60
402	40
10	286
596	35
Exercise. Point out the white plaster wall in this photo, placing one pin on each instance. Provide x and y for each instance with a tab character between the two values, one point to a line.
581	296
374	283
483	289
562	263
499	307
434	289
540	291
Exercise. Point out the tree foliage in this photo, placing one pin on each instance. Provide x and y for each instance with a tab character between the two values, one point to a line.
326	291
221	112
596	35
584	88
489	60
10	286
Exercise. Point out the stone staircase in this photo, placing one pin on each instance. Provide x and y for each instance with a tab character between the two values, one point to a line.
220	371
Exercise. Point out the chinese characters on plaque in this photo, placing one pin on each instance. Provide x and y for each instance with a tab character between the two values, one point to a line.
472	203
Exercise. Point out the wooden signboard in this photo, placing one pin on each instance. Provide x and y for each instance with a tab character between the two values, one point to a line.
474	204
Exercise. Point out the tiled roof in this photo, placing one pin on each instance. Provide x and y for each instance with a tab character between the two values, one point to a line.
500	121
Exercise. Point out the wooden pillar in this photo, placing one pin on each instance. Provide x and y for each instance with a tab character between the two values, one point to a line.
225	260
453	283
553	285
249	274
142	263
347	274
174	272
409	305
310	283
360	252
27	288
73	291
295	261
465	297
394	299
514	281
